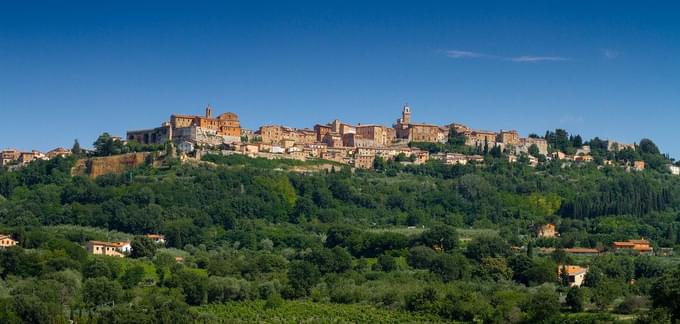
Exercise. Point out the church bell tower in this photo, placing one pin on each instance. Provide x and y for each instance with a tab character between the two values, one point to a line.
406	115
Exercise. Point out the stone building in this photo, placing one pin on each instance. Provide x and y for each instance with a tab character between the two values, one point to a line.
364	158
480	138
7	241
59	151
546	230
8	156
525	143
616	146
158	135
333	139
117	249
321	131
412	132
508	137
575	274
380	135
274	134
207	129
341	128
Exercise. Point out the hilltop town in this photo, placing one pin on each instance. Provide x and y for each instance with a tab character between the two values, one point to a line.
359	146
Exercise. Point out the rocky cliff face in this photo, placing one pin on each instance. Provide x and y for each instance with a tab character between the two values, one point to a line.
117	164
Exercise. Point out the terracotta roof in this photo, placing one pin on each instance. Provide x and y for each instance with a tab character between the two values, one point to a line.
572	270
111	244
624	244
155	236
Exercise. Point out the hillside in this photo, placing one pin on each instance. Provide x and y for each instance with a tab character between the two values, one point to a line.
412	242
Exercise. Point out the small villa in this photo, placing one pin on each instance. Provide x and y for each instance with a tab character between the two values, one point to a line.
547	230
156	238
642	246
575	274
117	249
7	241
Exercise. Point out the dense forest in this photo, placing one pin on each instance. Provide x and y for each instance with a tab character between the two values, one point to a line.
251	240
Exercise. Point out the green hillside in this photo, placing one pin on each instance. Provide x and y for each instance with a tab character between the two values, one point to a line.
261	242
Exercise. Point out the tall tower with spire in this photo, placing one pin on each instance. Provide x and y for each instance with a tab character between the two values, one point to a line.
406	115
208	112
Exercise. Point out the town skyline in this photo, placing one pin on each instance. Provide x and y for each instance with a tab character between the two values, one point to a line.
87	143
596	69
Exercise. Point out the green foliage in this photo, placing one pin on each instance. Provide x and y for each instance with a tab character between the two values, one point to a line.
432	240
192	283
142	247
544	306
302	276
576	299
310	312
101	291
666	293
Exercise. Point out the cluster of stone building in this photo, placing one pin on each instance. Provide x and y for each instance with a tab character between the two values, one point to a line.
14	157
357	145
208	129
575	274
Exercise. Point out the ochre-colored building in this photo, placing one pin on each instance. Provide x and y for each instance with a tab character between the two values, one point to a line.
226	124
642	246
274	134
156	238
405	129
321	131
575	274
7	241
547	230
117	249
508	137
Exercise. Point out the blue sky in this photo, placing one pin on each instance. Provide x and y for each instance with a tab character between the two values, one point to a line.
598	68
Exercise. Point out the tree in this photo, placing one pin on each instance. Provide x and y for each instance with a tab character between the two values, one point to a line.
443	236
666	293
76	150
222	289
302	276
450	267
487	246
455	139
386	263
142	247
544	306
575	299
495	269
194	285
647	146
106	145
101	291
132	277
604	293
421	257
534	150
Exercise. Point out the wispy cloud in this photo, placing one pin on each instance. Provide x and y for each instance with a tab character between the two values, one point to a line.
462	54
531	59
610	54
